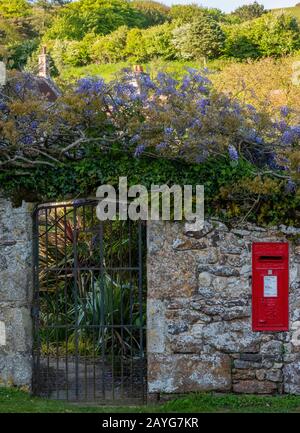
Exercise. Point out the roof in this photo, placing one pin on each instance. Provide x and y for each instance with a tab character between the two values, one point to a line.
40	86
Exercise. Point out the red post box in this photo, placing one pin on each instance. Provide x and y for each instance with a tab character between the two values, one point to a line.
270	286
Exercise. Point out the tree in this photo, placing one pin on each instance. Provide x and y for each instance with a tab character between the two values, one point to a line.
110	48
184	14
277	35
155	13
249	12
202	38
99	16
14	8
158	42
8	37
135	45
270	35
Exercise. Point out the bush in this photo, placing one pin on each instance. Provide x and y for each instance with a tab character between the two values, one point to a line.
8	37
202	38
240	43
184	14
277	35
77	53
264	83
247	160
14	8
270	35
135	46
154	12
110	48
99	16
144	45
20	53
158	42
249	12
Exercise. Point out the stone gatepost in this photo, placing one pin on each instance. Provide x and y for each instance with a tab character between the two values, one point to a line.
16	283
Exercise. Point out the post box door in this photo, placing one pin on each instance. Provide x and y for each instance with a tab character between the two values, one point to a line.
270	287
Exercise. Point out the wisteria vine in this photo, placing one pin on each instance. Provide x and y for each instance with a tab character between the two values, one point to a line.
161	117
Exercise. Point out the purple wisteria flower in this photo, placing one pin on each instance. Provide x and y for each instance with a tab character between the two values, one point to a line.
147	82
162	145
169	130
139	150
27	140
18	87
281	125
233	154
202	105
287	137
291	135
135	138
285	111
90	86
290	187
34	124
3	106
196	123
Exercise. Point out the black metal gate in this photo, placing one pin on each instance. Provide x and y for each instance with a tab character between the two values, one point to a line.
89	305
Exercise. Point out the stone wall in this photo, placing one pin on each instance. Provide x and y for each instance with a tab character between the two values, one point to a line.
15	294
199	312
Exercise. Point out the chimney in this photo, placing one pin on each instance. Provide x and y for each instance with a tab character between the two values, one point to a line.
138	69
43	64
2	74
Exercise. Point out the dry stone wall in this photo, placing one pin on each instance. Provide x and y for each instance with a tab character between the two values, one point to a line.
15	294
199	312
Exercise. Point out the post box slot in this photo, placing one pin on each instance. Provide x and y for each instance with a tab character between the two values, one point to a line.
270	258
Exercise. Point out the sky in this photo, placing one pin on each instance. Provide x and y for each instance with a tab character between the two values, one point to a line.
228	6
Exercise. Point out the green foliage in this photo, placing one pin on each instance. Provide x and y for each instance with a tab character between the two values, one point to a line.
8	37
270	35
240	43
202	38
134	45
158	42
14	8
144	45
249	12
154	12
20	53
77	19
103	31
110	48
224	183
187	121
184	14
108	71
294	11
277	35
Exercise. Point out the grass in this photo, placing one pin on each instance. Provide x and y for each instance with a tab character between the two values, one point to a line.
13	400
111	70
294	11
